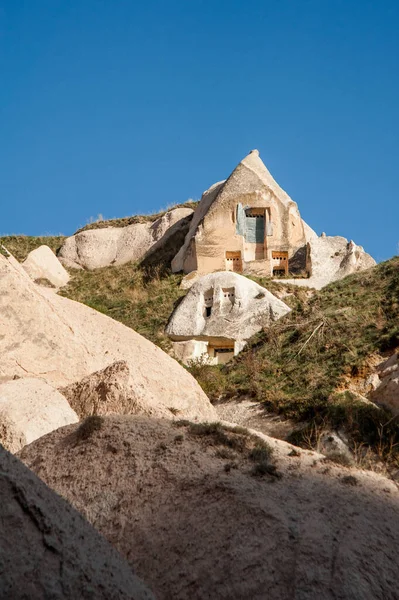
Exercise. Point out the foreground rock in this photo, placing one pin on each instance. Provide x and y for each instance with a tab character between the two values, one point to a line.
97	248
202	516
61	341
219	314
47	550
30	408
105	392
42	264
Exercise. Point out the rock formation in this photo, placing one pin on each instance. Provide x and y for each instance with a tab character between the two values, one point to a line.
61	341
386	385
220	312
246	224
330	258
42	264
97	248
108	391
249	225
47	550
30	408
190	508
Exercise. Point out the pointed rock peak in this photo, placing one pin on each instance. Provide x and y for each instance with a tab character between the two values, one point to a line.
254	163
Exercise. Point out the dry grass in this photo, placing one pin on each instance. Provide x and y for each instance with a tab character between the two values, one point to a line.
126	294
20	245
132	220
233	443
296	365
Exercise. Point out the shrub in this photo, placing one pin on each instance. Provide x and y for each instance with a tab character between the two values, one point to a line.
87	428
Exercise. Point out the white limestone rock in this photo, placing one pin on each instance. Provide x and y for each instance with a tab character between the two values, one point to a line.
96	248
42	263
61	341
331	258
332	445
30	408
207	199
386	393
224	305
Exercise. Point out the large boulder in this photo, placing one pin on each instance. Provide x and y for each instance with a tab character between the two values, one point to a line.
205	512
95	248
48	551
42	264
225	304
330	258
30	408
218	315
62	341
108	391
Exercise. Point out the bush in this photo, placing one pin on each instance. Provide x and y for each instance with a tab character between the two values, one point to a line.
87	428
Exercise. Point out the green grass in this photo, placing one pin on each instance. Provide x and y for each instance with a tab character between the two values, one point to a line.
20	245
124	221
126	294
296	366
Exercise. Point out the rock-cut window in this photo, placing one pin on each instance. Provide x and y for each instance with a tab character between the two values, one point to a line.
208	303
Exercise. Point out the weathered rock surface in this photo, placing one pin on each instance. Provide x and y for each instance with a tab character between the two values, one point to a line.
30	408
207	198
333	444
160	254
42	263
238	308
96	248
386	392
331	258
61	341
109	391
196	527
47	550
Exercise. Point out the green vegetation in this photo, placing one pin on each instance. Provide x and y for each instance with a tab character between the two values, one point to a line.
233	443
296	366
20	245
128	295
124	221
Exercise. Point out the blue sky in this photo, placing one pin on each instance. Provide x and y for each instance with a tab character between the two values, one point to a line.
120	107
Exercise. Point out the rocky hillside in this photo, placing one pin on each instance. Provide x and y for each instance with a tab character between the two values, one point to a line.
200	508
311	367
212	511
315	364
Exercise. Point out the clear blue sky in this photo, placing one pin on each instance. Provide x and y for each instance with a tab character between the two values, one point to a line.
121	107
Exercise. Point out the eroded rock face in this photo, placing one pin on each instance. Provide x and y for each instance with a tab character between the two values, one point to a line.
220	307
386	392
330	258
247	224
47	550
196	527
109	391
61	341
42	263
96	248
30	408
